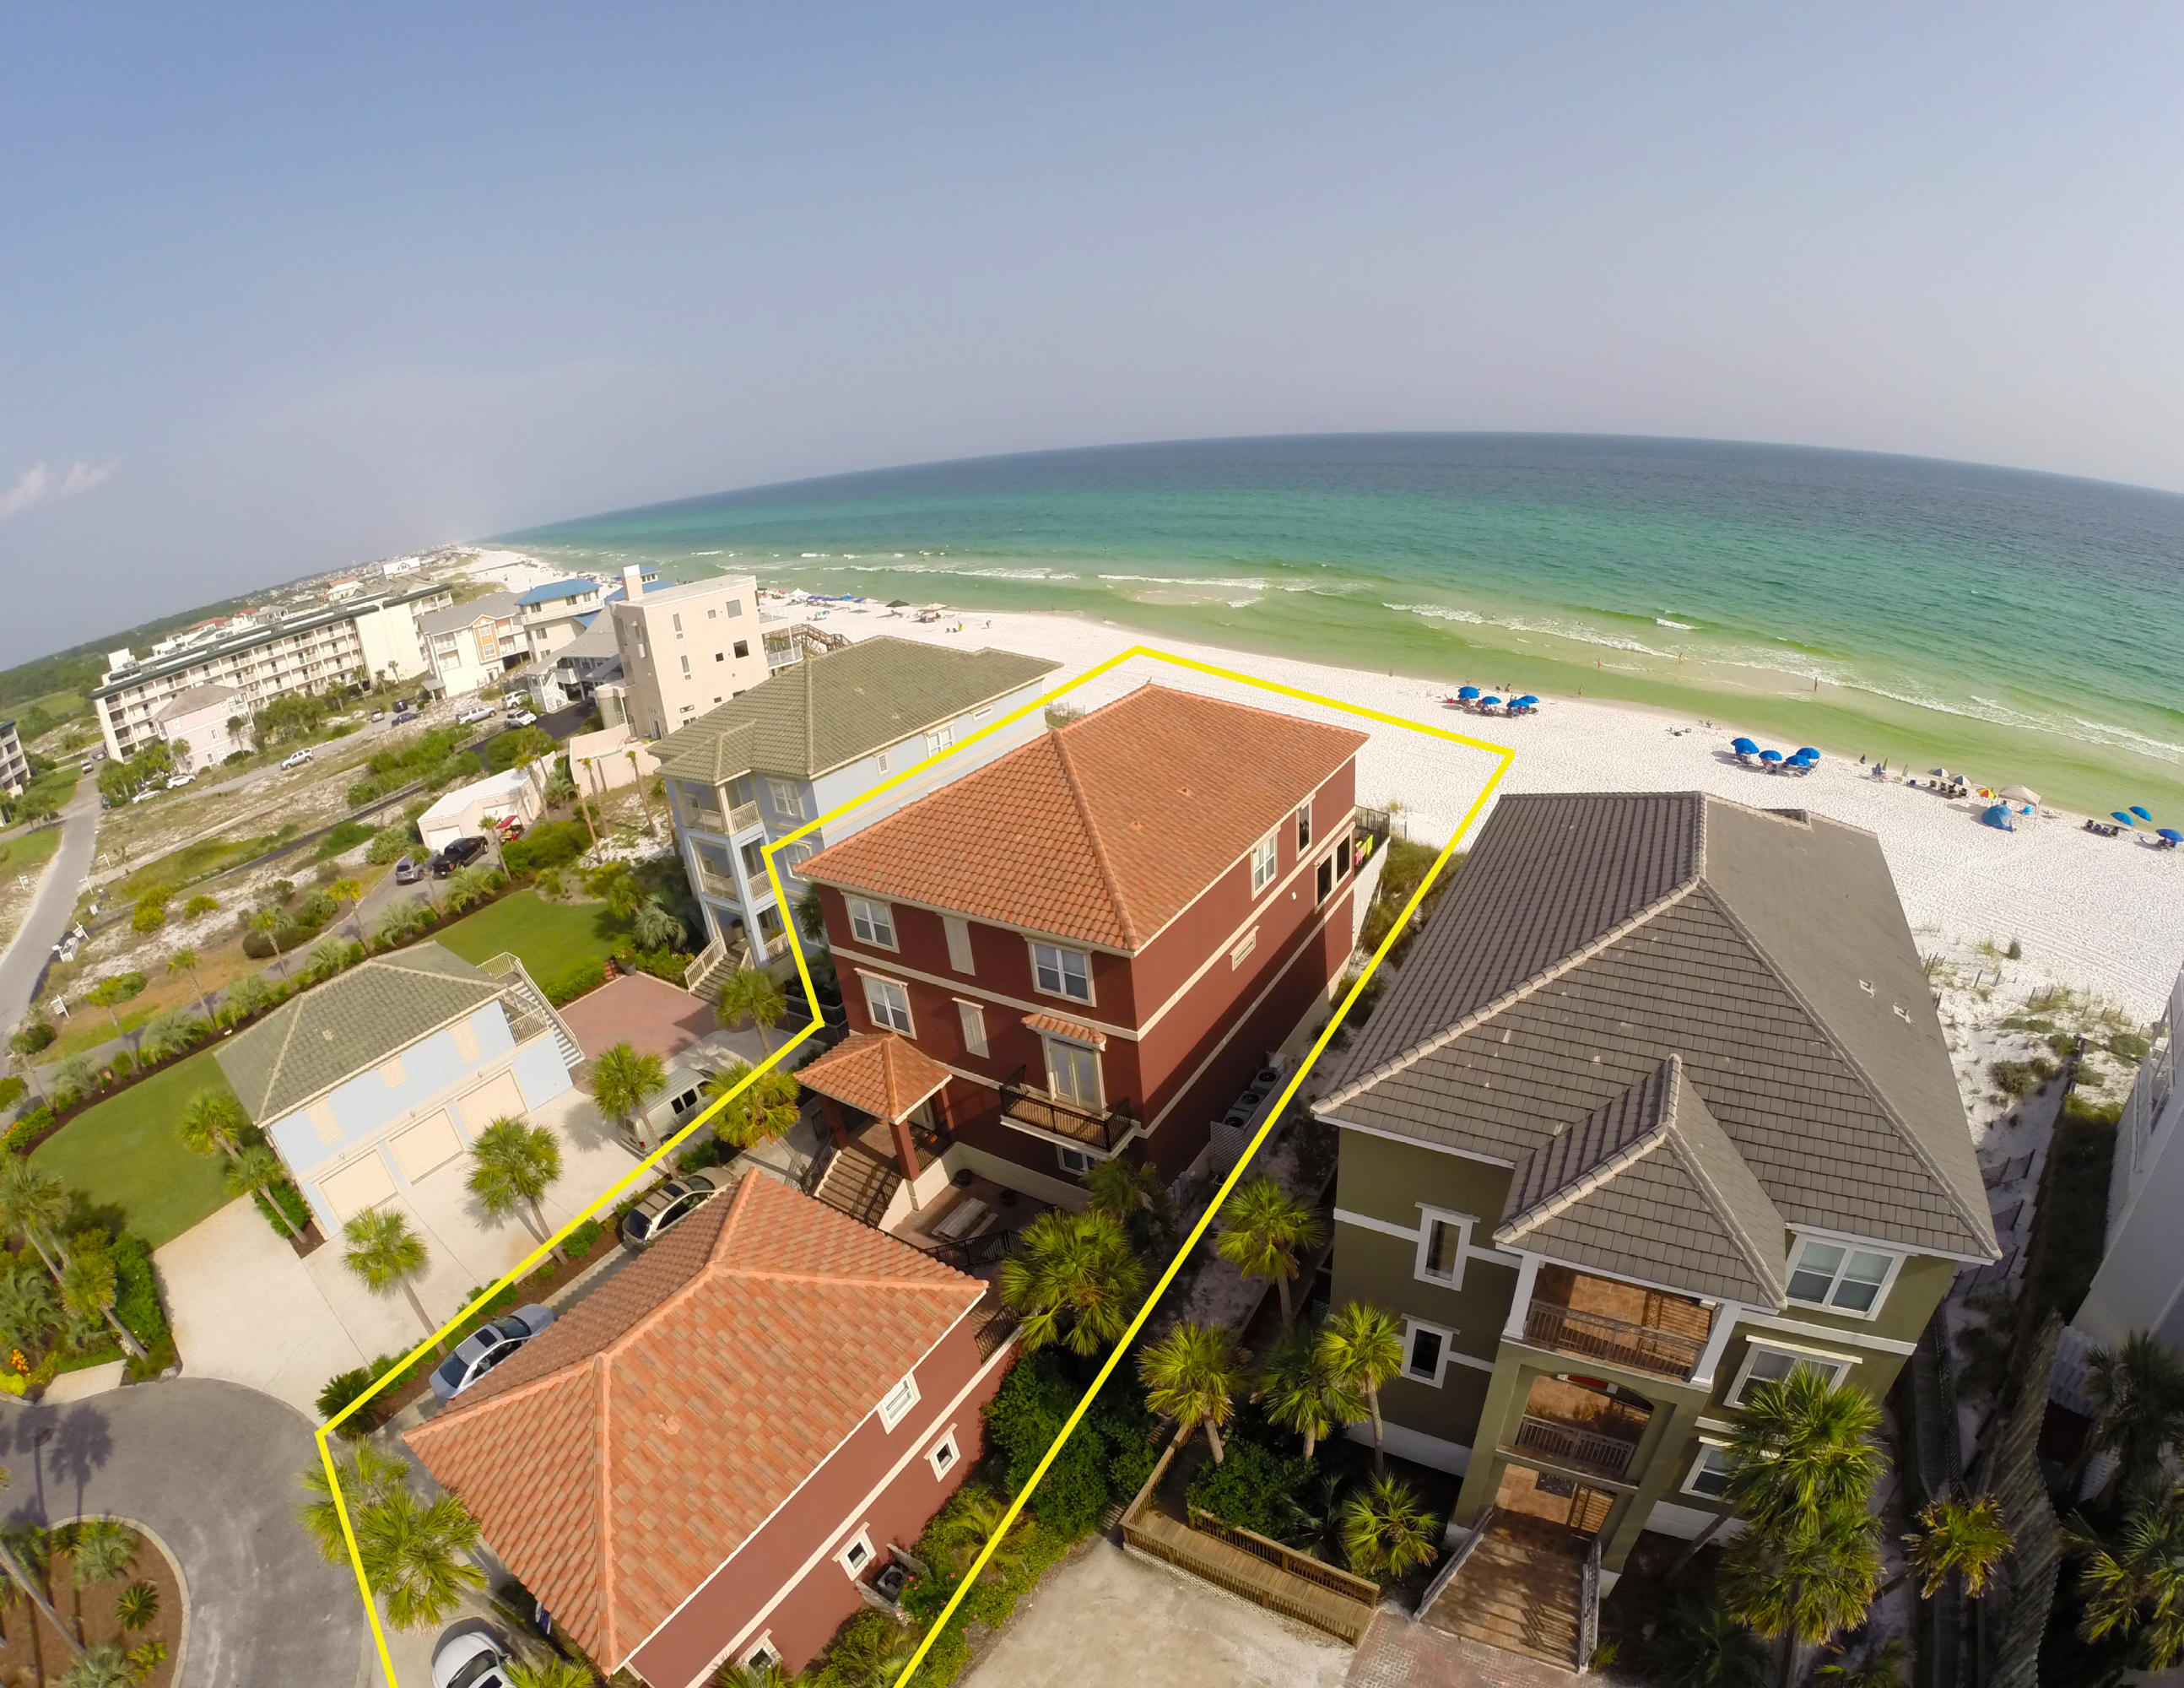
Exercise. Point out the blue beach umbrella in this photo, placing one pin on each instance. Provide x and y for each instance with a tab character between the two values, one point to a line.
1770	755
2118	815
1527	701
1808	754
1744	746
1489	703
1467	693
2140	812
2171	834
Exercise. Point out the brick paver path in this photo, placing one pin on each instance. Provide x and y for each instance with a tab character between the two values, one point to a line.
1397	1653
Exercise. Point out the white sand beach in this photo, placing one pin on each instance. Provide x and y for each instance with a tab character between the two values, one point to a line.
2105	914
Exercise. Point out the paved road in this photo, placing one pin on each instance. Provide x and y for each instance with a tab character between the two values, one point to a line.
212	1470
50	913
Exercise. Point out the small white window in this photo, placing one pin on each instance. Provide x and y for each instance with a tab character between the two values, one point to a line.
889	1004
897	1401
1425	1352
1841	1278
1063	973
938	740
974	1027
735	608
959	942
856	1554
763	1655
1262	863
710	613
943	1454
1074	1162
1709	1473
1772	1365
686	668
1442	1242
677	620
1304	829
872	922
787	798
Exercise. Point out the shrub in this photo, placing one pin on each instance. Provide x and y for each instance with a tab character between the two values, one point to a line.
669	964
553	844
363	792
258	945
25	1127
1251	1488
12	1089
32	1038
314	911
340	1389
122	1065
583	976
525	744
1103	1462
136	1302
388	845
151	913
345	836
199	905
584	1238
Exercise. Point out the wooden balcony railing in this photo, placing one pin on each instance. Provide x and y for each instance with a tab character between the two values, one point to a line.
1612	1341
1105	1130
1574	1445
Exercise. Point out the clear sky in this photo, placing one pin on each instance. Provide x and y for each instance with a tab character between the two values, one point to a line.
285	285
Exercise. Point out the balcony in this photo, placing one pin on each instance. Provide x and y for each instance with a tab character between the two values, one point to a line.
1616	1323
1035	1110
708	818
1580	1429
721	885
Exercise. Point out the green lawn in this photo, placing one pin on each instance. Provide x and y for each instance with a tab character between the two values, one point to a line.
87	1028
125	1151
548	937
28	852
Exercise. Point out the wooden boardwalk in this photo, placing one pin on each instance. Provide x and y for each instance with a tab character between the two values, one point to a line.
1341	1614
1521	1589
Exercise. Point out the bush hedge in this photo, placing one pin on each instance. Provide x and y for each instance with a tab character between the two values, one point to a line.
552	843
1251	1488
585	975
1102	1464
346	835
292	1204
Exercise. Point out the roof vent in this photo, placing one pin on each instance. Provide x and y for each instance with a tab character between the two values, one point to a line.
1902	1013
1866	985
327	1032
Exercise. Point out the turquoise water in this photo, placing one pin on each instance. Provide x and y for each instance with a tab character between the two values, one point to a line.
1967	605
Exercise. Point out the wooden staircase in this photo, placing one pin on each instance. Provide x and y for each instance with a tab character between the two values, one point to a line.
1521	1588
856	1184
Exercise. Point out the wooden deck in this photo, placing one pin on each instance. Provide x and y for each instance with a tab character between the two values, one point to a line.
1521	1589
1344	1615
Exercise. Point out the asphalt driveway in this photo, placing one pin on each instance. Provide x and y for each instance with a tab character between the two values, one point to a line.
213	1470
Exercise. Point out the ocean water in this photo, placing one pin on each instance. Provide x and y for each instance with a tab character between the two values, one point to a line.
2012	623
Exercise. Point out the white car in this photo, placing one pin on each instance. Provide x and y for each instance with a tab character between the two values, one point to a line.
470	717
179	781
146	795
523	717
473	1660
297	761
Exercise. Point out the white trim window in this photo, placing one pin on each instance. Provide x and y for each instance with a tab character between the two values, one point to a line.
856	1555
890	1004
787	798
762	1654
1709	1473
1074	1162
898	1401
957	931
1764	1362
974	1027
1842	1279
1265	857
944	1455
1061	972
1443	1237
1304	827
790	860
1425	1352
939	738
871	923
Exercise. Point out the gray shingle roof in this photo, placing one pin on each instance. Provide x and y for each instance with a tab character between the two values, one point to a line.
1588	938
493	607
353	1021
826	711
1648	1185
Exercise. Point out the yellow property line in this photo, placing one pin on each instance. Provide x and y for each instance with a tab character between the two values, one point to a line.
1505	756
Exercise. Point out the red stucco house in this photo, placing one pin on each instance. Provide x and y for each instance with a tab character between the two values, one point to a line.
709	1459
1094	940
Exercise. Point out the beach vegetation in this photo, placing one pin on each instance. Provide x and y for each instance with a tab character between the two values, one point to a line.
1074	1279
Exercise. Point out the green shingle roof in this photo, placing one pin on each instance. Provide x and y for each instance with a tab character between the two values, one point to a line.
826	711
353	1021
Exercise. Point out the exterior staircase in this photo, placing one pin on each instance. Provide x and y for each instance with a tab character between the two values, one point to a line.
1520	1584
856	1184
711	966
531	1005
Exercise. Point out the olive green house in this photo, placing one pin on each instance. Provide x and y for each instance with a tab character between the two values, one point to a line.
1657	1107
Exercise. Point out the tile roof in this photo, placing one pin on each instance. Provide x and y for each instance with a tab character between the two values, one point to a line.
881	1073
1648	1185
1103	830
1588	938
826	711
617	1462
1067	1028
353	1021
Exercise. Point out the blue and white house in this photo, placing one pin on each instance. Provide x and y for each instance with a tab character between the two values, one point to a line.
370	1083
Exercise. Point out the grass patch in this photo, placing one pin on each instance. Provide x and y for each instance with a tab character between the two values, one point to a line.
87	1028
2074	1212
28	852
125	1151
193	863
549	938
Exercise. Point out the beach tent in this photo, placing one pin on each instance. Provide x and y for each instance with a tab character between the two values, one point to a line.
2140	812
1744	746
1468	694
2018	794
1998	817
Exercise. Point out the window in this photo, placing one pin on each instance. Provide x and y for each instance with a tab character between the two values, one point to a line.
1325	886
1063	973
974	1027
938	740
1709	1473
793	858
686	667
788	799
1073	1071
1425	1352
1304	829
872	922
754	855
1840	1277
1441	1243
762	1656
1772	1365
1342	859
943	1454
857	1553
959	942
677	620
1262	864
720	656
742	647
711	614
735	608
897	1401
889	1004
1074	1162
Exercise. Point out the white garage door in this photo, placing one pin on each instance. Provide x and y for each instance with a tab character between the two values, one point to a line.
497	1096
425	1145
363	1183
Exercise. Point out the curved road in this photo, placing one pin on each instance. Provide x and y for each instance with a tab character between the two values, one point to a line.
213	1470
55	904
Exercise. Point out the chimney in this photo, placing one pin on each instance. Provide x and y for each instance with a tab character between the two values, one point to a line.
632	582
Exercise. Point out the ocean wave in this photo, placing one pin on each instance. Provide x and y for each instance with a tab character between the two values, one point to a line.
1680	627
1438	612
1241	603
1209	581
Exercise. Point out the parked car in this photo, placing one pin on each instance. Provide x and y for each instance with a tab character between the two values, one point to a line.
407	871
523	717
459	854
510	828
471	716
676	1199
297	761
485	1347
379	714
179	781
146	795
473	1659
86	767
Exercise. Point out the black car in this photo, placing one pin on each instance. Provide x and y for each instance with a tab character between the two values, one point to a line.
459	854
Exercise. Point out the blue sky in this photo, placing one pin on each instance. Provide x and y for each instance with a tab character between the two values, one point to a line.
282	288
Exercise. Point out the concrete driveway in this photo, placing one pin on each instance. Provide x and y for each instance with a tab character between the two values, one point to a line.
50	913
245	1308
212	1470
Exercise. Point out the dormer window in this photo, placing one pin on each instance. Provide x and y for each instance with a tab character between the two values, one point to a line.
1263	857
1841	1278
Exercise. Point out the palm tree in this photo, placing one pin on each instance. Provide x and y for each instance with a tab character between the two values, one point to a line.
350	891
644	802
871	1655
1967	1538
514	1164
387	1254
367	1478
1386	1529
2137	1392
106	1666
137	1606
2132	1586
655	926
976	1520
413	1556
469	885
1803	1580
623	1083
257	1170
213	1123
554	1672
1882	1668
1073	1278
1132	1195
751	991
1363	1346
1264	1229
1193	1375
88	1286
11	1562
268	921
185	961
100	1550
810	912
35	1202
29	1313
763	1111
110	994
1301	1391
1803	1446
165	1035
329	956
1701	1646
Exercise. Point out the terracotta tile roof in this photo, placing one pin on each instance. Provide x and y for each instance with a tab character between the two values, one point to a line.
1067	1028
616	1461
877	1072
1104	830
